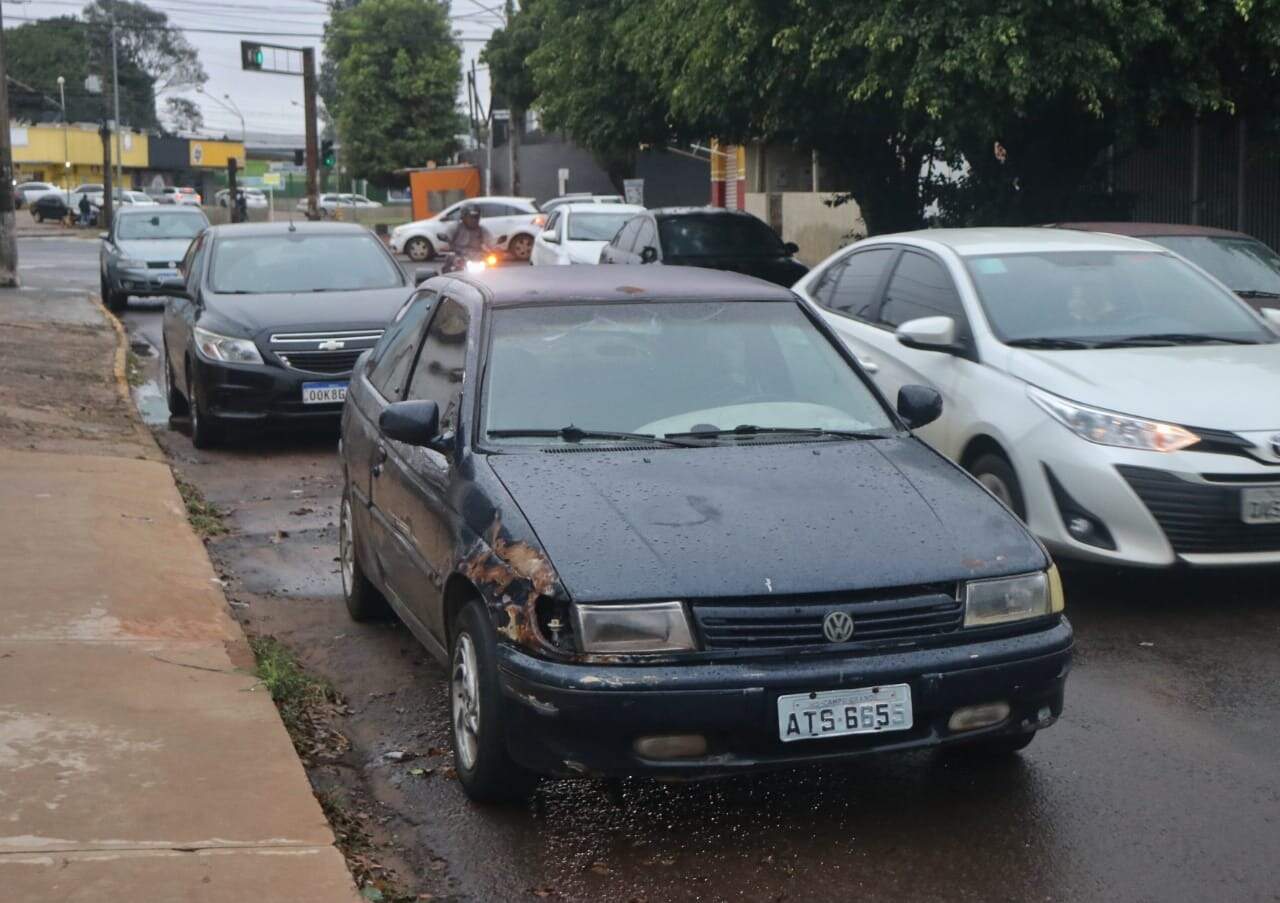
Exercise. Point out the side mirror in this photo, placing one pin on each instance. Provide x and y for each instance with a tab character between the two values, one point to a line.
929	334
550	237
173	287
422	275
649	254
411	422
791	248
919	405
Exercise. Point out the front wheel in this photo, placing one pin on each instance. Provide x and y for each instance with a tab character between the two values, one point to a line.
520	247
114	301
485	768
996	473
175	400
206	430
419	249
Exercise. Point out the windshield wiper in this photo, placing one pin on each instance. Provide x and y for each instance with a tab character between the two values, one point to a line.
1172	338
749	429
573	433
1050	343
1256	293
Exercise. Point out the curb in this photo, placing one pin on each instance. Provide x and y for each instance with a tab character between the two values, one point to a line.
119	369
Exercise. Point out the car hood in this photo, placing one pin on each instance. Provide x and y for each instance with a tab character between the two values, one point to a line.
783	271
159	250
752	520
249	315
1192	385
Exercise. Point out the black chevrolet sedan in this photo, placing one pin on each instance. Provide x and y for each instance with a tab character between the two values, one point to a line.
711	237
267	320
656	521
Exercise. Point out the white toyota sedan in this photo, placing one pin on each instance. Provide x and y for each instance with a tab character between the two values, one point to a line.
1115	396
576	233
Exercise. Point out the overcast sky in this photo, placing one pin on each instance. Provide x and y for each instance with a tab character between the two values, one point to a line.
266	101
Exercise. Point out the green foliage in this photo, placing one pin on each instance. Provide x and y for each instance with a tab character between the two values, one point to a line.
397	71
183	114
507	56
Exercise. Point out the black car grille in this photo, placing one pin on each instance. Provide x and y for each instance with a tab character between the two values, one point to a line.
332	362
1197	518
886	616
160	264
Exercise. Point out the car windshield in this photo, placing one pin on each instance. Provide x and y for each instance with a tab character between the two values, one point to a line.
596	226
301	262
658	368
160	226
1092	297
1241	264
718	235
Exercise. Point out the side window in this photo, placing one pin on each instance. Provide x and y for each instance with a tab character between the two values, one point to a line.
491	209
646	236
395	353
438	374
921	287
453	215
553	224
851	289
626	236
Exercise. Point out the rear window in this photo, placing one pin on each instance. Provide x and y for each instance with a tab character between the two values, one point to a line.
718	235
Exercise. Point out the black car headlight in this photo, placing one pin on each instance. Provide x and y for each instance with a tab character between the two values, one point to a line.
226	348
648	627
1005	599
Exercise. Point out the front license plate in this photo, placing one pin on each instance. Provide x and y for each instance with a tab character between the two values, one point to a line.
1260	506
324	393
839	713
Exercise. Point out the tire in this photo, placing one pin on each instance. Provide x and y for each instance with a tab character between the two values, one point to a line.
114	301
364	602
206	430
419	249
38	216
176	401
520	247
994	471
484	766
994	747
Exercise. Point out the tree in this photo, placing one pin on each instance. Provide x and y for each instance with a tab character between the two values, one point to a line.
39	52
398	70
145	38
184	115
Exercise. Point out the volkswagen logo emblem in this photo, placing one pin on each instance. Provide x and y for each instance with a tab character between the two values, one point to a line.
837	626
1275	445
331	345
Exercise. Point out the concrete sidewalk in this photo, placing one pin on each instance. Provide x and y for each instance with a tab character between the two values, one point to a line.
139	759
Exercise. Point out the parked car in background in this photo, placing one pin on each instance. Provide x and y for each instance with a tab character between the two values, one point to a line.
513	222
1104	389
577	233
878	598
254	198
49	207
24	193
331	202
89	189
143	249
125	199
1243	264
399	197
268	319
583	198
711	237
177	194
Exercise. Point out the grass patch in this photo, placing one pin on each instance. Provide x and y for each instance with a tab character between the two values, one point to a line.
133	370
205	518
307	703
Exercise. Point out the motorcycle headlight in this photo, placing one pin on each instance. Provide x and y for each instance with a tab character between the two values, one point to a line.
1104	427
225	348
650	627
1006	599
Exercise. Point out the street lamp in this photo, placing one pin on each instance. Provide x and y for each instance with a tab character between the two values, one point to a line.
226	106
66	135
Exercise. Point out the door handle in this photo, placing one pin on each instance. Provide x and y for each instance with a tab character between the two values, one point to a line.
868	365
379	457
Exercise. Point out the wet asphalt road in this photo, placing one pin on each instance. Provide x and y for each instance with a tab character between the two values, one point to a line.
1162	781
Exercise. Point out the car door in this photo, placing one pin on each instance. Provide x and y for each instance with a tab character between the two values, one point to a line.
381	381
545	253
413	491
919	286
647	237
848	293
619	250
180	314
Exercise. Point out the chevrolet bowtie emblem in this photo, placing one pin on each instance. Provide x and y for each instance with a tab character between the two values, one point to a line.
331	345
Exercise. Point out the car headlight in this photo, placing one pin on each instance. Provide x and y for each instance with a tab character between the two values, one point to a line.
224	348
1006	599
650	627
1109	428
128	263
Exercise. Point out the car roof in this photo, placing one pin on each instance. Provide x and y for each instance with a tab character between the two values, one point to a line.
280	228
160	210
500	198
1151	230
1013	240
599	207
665	212
507	286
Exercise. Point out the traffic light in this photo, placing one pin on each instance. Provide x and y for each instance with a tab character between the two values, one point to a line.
251	56
327	156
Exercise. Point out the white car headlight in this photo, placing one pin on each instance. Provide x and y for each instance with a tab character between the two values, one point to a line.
1005	599
1109	428
224	348
649	627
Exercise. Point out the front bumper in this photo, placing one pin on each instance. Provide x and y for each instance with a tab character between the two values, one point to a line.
566	720
258	393
139	282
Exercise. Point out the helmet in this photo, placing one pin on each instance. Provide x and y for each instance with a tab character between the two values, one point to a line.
471	214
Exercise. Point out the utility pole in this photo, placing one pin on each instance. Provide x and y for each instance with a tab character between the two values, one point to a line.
66	136
313	151
8	221
115	97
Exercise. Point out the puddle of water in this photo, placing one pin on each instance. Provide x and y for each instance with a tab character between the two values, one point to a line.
151	404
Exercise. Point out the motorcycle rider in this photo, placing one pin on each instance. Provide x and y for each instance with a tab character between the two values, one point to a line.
471	239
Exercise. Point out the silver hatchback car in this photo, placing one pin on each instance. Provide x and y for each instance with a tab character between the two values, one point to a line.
143	249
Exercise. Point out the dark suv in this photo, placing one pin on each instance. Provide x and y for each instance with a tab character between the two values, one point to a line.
662	524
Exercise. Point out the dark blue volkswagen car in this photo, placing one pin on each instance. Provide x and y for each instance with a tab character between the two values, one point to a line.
656	521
